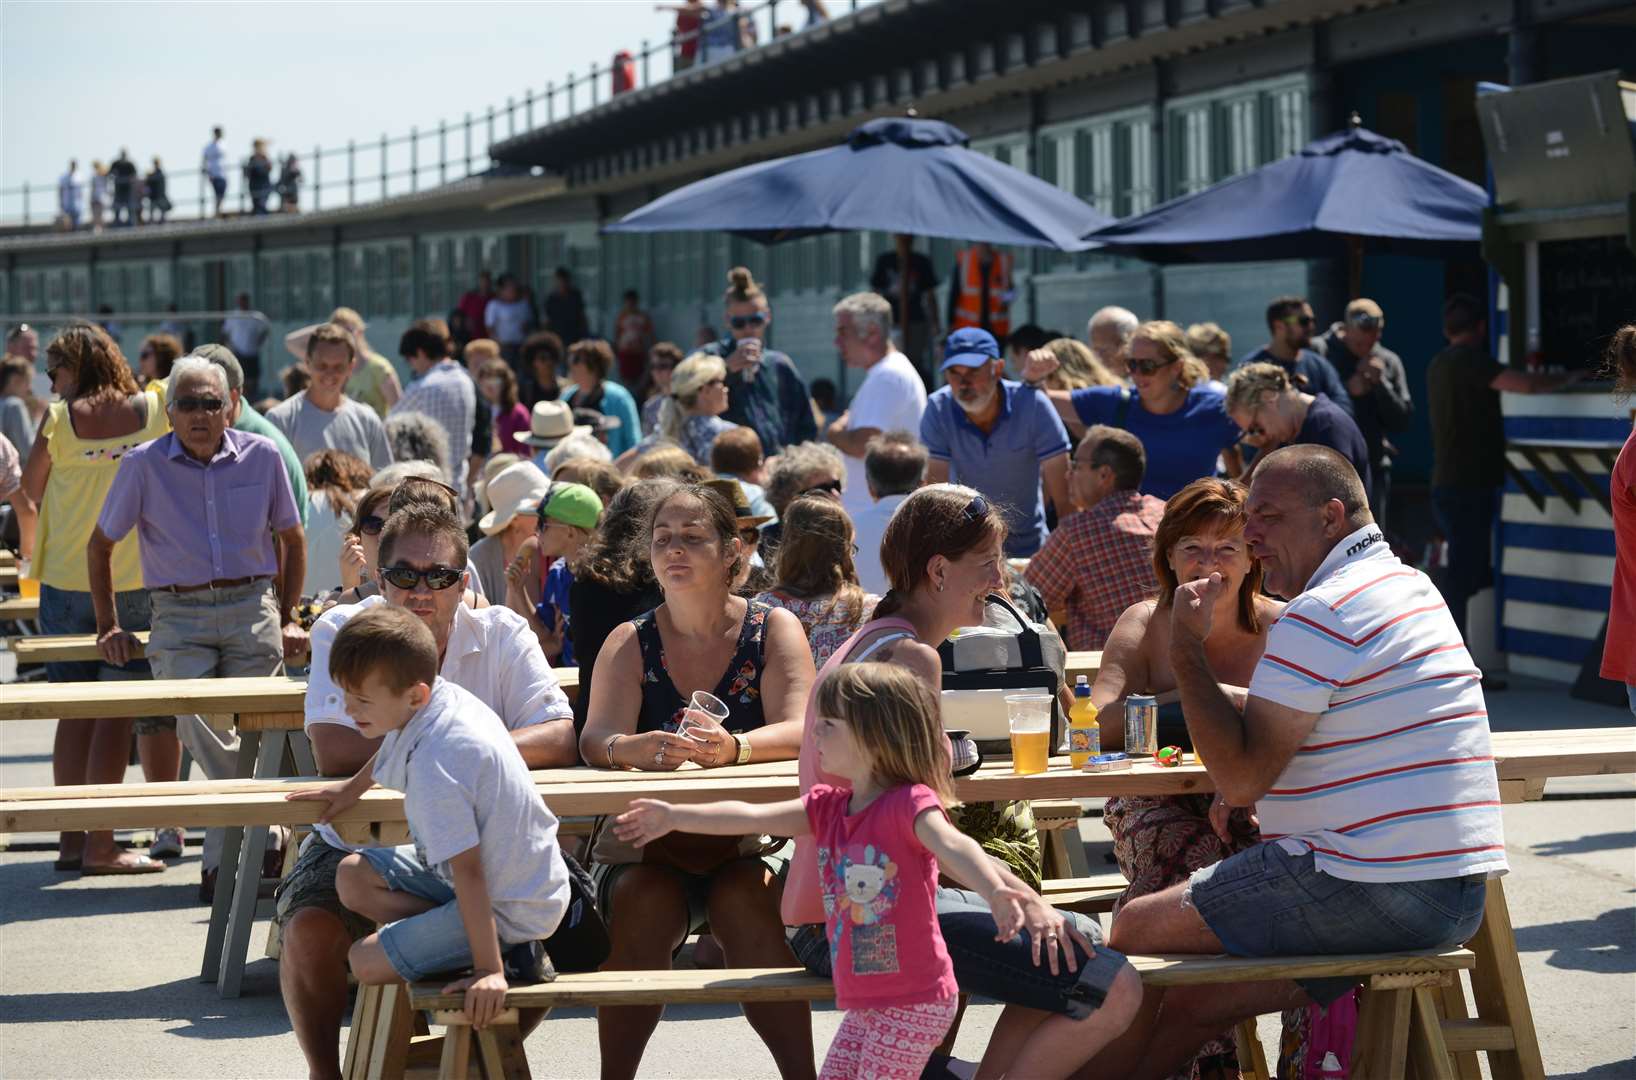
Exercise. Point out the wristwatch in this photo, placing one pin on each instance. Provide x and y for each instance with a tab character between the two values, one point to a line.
743	750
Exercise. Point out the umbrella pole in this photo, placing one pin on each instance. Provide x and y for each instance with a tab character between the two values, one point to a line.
904	244
1354	268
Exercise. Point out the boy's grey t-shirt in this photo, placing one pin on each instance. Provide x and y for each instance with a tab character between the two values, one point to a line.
464	784
352	427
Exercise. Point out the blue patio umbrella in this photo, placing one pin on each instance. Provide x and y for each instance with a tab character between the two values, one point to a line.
1345	194
897	175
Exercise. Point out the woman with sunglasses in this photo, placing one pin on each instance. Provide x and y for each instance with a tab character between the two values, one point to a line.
767	392
943	553
1171	407
1274	412
100	415
754	660
655	385
153	361
391	489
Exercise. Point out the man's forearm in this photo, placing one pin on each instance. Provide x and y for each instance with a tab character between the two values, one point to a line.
292	573
1214	725
550	745
100	572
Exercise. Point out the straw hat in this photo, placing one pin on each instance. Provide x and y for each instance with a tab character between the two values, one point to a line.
733	492
516	490
550	423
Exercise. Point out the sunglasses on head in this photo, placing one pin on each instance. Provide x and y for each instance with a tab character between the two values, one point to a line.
211	405
831	486
437	578
739	322
977	509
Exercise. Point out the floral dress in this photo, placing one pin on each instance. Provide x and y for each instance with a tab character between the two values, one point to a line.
824	620
739	689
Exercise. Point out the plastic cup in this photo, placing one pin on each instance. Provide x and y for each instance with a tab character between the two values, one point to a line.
27	587
1029	716
704	710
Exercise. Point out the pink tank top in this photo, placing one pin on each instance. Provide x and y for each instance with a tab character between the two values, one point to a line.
803	891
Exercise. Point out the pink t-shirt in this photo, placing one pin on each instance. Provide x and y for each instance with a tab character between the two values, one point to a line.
1619	654
511	427
880	907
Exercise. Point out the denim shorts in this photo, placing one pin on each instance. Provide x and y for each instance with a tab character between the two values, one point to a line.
69	611
311	884
1265	901
429	943
696	886
1003	971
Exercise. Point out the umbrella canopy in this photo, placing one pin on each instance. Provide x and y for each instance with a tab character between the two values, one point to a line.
1348	189
898	175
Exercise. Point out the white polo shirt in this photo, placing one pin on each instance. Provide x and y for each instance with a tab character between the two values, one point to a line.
492	654
1396	780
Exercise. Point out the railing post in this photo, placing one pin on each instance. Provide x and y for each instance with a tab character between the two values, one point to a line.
383	165
488	147
203	183
594	96
317	177
468	144
645	80
550	103
352	173
511	116
528	108
570	95
25	204
414	157
442	152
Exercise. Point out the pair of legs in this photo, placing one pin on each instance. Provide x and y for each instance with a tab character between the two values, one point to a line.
317	931
648	919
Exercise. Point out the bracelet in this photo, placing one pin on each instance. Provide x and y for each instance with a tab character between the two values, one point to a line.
609	747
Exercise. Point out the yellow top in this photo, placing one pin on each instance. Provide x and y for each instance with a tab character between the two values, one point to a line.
366	382
82	471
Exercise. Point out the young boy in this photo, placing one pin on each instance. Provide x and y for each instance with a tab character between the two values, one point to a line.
484	874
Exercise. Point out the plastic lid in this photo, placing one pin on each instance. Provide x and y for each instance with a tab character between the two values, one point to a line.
1082	686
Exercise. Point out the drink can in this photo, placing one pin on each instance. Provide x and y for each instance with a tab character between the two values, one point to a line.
1141	724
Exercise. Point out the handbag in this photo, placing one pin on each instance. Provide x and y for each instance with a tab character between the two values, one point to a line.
992	660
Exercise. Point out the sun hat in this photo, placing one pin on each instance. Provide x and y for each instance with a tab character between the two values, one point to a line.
733	492
516	489
550	423
493	467
970	346
572	504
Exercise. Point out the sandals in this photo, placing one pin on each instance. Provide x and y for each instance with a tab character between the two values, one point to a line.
140	865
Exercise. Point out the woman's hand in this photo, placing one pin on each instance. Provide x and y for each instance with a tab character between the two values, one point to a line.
1220	812
655	751
485	996
713	745
354	565
1049	932
646	820
1038	364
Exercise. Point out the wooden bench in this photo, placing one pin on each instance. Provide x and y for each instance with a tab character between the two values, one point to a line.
1400	1021
19	609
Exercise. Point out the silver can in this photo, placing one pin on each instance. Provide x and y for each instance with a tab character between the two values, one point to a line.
1141	725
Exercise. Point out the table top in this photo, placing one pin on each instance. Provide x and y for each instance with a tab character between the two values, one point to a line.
580	792
19	609
45	648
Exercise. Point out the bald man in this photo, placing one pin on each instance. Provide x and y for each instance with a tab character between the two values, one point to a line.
1364	748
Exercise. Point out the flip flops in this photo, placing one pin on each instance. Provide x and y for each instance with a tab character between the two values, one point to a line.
141	865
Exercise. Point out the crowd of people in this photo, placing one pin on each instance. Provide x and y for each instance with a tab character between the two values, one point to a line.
688	527
119	194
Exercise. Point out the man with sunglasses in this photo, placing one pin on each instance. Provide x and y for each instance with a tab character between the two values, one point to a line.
1375	381
1290	323
488	651
764	389
208	503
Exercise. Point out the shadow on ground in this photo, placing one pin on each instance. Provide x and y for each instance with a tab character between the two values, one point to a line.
1605	944
35	891
1580	845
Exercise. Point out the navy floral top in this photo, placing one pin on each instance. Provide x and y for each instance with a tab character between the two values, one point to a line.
739	689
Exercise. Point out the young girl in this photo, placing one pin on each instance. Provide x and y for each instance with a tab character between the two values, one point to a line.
880	846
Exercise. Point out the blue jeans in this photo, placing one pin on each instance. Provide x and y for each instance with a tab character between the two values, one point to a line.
433	941
1001	970
1630	689
69	611
1265	901
1466	516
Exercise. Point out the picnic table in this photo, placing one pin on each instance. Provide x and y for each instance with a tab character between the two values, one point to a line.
19	609
8	576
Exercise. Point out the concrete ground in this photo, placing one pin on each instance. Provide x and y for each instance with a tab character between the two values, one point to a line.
99	976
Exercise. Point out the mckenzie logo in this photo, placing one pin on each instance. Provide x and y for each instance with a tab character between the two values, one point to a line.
1372	538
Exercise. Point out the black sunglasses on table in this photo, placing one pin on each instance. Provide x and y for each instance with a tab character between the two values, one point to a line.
437	578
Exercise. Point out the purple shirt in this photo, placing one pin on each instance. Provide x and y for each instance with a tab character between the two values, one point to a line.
200	523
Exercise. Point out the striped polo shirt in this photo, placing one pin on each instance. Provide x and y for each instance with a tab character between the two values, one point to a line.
1396	780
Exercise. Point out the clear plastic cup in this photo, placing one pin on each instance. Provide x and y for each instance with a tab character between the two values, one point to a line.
1029	716
704	711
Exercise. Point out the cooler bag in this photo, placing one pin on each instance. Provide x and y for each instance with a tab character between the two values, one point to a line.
982	664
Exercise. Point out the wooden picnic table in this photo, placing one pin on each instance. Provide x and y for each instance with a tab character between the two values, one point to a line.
8	577
19	609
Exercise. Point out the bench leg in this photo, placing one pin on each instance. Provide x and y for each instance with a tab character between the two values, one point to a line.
1381	1049
361	1031
1252	1059
246	884
1064	853
301	754
502	1048
1498	992
1428	1055
1452	1004
456	1053
233	839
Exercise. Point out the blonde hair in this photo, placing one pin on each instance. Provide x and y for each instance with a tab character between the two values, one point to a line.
742	287
1247	385
1077	367
1207	338
687	381
347	317
483	348
1171	341
897	721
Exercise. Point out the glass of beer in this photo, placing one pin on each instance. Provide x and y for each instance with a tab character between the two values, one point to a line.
1030	719
27	587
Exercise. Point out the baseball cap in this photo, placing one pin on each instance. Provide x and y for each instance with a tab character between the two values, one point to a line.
571	504
969	347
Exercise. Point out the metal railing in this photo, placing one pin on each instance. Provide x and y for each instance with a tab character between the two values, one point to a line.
408	163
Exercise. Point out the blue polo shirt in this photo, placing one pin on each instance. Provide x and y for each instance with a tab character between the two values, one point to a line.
1181	446
1004	464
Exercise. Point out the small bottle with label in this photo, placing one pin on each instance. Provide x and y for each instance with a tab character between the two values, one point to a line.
1084	732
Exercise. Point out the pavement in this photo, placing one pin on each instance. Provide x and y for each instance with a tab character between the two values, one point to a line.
99	977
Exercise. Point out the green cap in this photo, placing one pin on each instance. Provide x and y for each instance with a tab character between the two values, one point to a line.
571	504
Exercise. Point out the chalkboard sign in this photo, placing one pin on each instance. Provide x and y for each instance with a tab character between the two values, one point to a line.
1587	291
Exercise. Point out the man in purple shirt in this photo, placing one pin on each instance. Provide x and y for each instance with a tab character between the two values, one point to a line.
206	503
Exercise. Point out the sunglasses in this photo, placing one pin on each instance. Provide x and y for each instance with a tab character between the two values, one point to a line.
371	524
540	518
1148	367
977	509
739	322
831	486
437	578
1364	322
1299	320
210	405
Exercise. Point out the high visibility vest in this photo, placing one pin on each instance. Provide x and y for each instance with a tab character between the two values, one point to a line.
968	306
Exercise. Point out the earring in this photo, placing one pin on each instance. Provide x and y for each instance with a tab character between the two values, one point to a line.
939	586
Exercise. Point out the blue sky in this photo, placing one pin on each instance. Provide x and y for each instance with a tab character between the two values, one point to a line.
85	78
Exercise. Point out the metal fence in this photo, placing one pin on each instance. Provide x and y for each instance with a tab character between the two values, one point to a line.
365	171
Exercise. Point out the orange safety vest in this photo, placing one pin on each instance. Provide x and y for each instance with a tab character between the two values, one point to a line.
968	307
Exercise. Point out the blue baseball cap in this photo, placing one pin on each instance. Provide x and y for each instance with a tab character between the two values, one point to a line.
969	347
